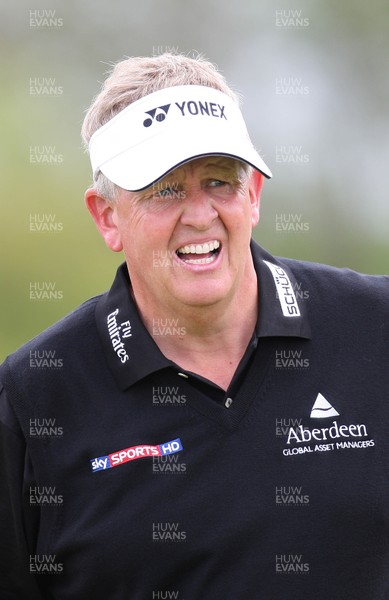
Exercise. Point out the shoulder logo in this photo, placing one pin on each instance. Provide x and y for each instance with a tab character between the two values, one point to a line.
322	409
285	292
117	333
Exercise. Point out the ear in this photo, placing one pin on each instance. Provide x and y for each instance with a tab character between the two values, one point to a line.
255	187
104	215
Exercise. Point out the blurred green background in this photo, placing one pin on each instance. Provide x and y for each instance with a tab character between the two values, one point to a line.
314	77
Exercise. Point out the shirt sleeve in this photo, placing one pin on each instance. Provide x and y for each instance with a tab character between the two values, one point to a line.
18	522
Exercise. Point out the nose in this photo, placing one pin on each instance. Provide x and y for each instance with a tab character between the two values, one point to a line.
198	210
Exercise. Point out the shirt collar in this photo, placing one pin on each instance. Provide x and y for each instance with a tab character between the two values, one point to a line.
280	312
130	350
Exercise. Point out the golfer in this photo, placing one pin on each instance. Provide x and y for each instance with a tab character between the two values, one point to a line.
209	433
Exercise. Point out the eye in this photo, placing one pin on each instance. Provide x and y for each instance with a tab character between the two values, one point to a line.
220	188
166	192
217	183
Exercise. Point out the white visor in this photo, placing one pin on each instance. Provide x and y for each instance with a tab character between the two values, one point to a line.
166	129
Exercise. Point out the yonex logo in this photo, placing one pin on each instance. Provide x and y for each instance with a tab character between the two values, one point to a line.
186	108
194	107
156	114
322	409
100	463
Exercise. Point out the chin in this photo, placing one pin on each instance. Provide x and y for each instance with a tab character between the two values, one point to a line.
201	296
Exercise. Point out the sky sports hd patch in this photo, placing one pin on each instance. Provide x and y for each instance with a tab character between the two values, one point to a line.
100	463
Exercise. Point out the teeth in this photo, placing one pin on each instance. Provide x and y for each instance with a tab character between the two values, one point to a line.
200	261
199	248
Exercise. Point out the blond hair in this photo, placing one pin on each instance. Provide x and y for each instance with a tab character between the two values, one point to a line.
136	77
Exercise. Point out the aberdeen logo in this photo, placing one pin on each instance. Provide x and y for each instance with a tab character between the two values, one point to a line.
157	114
133	453
335	436
323	409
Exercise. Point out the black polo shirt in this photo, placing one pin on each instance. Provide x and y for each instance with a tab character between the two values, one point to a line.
126	477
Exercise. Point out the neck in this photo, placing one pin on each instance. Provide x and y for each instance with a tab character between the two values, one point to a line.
207	340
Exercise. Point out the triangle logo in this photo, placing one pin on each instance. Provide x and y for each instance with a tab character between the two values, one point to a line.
323	409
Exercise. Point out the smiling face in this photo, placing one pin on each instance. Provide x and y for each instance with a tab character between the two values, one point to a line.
186	239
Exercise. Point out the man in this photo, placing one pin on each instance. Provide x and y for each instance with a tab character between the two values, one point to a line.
209	434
